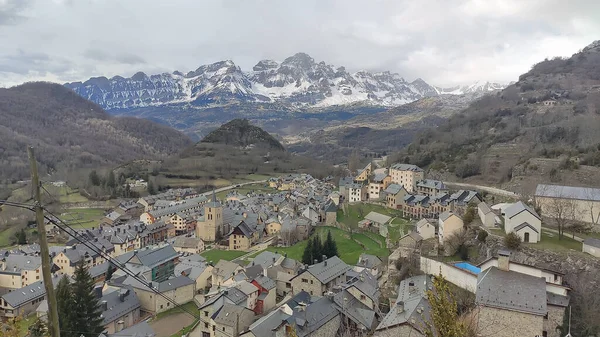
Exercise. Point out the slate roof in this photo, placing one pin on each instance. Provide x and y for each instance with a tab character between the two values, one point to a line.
247	288
378	217
331	207
354	309
411	306
568	192
16	263
423	222
99	270
235	295
445	215
592	242
393	189
180	207
413	235
225	269
557	300
266	326
368	261
406	167
266	259
523	225
254	271
229	314
265	282
517	208
191	269
167	285
115	308
379	177
315	316
510	290
152	257
328	270
463	196
142	329
430	183
26	294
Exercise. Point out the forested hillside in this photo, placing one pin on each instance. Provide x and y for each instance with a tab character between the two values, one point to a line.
70	132
552	112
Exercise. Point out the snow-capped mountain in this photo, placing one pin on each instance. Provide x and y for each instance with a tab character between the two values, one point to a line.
477	87
298	81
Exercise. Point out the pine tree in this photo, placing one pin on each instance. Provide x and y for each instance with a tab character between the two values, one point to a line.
87	318
307	255
110	180
329	247
21	237
38	329
317	249
94	178
110	271
64	301
151	189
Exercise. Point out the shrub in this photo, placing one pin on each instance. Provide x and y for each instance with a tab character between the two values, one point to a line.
463	252
512	241
482	235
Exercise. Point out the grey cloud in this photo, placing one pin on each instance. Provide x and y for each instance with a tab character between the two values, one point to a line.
23	63
445	42
10	11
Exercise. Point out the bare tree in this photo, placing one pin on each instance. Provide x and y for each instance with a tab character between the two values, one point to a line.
593	207
585	301
562	211
289	236
354	162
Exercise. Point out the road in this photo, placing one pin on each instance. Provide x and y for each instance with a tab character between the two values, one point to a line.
231	187
491	190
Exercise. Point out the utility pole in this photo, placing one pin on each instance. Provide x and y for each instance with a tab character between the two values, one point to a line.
39	217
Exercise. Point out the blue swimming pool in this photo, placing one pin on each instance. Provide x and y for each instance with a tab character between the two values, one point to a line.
468	266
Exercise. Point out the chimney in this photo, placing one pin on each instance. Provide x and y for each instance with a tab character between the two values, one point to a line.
361	277
122	297
104	305
504	259
400	306
315	261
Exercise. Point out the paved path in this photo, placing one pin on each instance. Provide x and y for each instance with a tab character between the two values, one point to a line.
231	187
491	190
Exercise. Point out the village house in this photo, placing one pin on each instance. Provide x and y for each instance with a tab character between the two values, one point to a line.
318	318
344	185
358	303
462	199
331	214
242	237
357	192
231	320
416	206
373	221
524	221
22	302
320	277
250	291
115	218
591	246
18	271
201	272
154	264
188	245
411	310
68	259
449	224
120	310
185	207
363	175
411	240
517	310
584	201
179	289
430	187
267	294
379	183
486	215
426	228
370	263
395	194
183	223
224	272
406	175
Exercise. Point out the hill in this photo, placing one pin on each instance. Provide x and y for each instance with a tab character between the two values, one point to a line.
551	113
70	132
239	132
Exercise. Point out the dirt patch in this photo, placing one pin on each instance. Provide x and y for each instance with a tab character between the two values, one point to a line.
169	325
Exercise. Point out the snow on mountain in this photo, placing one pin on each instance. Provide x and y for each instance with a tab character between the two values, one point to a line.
477	87
298	81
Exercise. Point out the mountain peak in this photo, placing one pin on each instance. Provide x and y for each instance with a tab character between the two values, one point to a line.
593	46
301	60
265	65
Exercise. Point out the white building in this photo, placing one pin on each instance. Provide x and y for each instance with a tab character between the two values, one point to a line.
524	221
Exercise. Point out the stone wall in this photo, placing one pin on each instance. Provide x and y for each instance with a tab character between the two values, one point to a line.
454	275
505	323
328	329
555	319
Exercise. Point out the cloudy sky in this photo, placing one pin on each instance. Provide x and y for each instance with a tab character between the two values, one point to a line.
445	42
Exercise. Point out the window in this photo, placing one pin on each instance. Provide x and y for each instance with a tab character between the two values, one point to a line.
161	306
206	314
311	281
304	280
168	304
223	328
206	325
363	297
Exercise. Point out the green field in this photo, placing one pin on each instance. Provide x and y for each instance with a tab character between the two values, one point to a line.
550	241
83	217
25	323
348	249
399	227
190	306
357	212
215	255
6	235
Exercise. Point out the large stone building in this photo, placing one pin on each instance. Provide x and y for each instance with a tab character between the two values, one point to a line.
321	277
212	222
18	271
406	175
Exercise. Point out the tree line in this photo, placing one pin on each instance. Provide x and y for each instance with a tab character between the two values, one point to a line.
315	249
